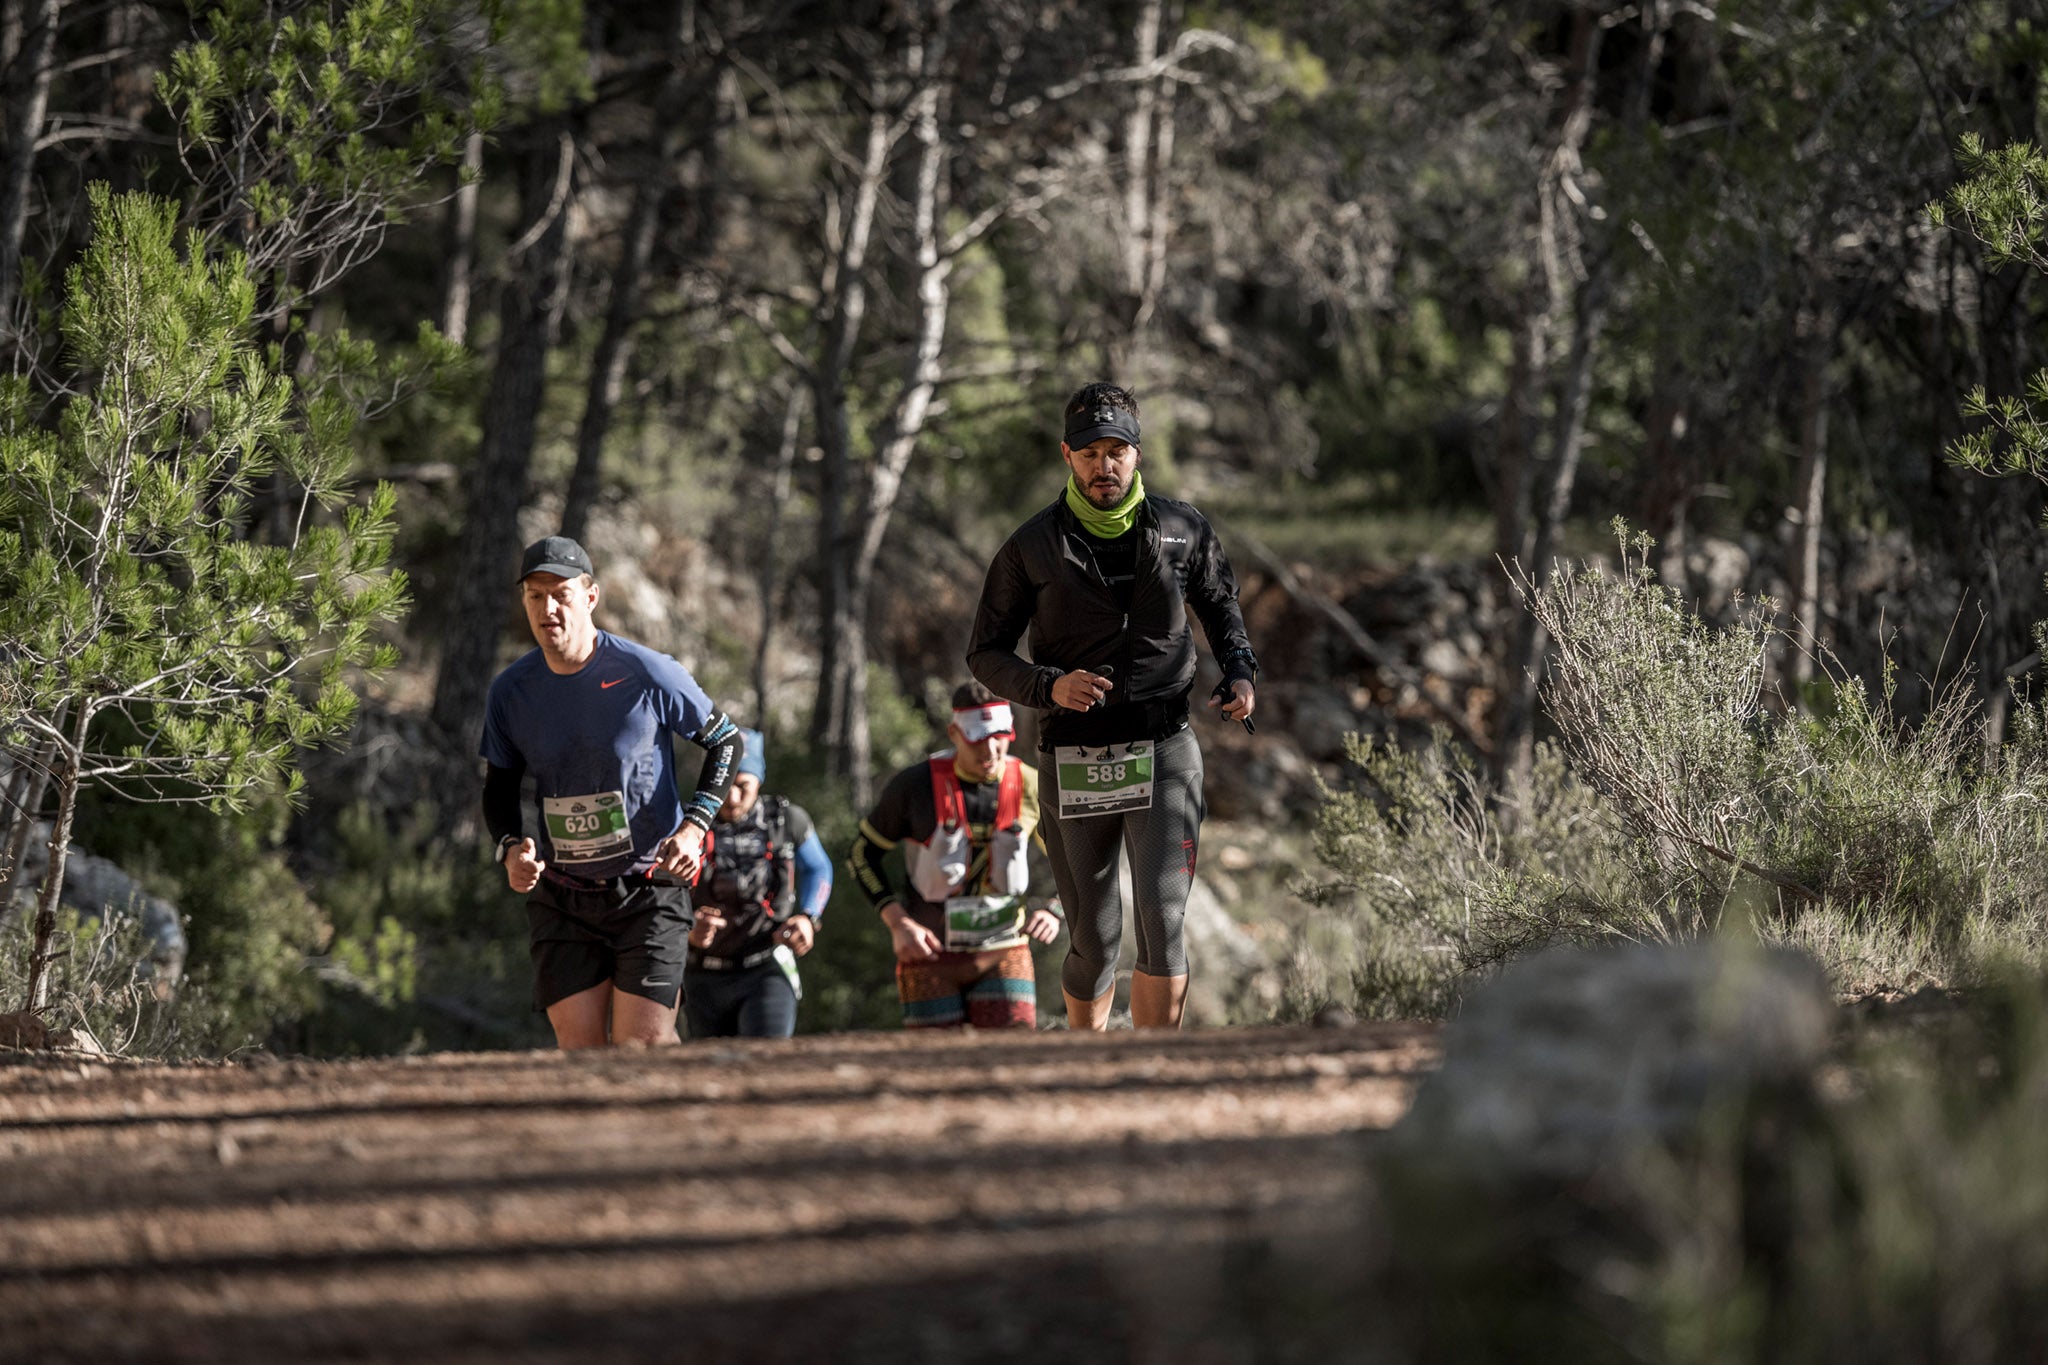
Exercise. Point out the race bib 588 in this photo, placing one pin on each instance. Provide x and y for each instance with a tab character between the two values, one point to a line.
1103	779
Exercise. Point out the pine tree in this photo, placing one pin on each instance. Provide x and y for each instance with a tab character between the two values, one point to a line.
152	646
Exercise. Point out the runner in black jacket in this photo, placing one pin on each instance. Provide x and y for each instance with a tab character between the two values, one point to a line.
1101	580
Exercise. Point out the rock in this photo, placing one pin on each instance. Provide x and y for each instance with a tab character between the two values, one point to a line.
1443	659
1575	1058
77	1039
24	1030
1588	1102
1716	570
93	886
1333	1016
1321	715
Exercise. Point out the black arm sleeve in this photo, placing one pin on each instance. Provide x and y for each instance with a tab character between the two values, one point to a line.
723	748
1212	592
1008	600
864	860
501	803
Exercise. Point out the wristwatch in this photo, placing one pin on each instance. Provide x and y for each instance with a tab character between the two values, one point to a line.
505	846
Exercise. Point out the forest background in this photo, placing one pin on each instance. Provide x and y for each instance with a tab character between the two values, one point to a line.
775	305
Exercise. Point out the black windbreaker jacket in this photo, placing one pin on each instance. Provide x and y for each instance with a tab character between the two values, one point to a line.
1045	578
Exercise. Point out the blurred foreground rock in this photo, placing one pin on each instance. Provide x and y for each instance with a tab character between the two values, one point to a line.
1592	1107
1572	1059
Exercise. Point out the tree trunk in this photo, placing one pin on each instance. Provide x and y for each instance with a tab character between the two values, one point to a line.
768	560
30	76
1668	476
847	307
25	793
481	589
1514	748
127	93
913	406
1562	252
1528	364
45	930
1806	512
1146	222
622	310
460	243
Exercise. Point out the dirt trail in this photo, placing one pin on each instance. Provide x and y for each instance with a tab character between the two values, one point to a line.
850	1197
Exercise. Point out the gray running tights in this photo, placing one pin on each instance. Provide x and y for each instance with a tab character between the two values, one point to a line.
1161	841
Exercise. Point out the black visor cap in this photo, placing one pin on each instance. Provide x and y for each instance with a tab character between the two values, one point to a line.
1103	419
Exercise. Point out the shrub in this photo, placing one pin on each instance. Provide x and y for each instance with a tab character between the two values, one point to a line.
1678	801
101	982
1430	885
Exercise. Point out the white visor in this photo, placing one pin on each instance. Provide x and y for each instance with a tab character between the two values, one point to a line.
979	722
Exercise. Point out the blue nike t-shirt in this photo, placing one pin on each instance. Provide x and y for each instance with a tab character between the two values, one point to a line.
604	774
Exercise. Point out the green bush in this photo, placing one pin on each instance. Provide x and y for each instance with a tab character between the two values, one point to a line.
429	949
1427	883
1678	801
103	982
250	925
1900	1223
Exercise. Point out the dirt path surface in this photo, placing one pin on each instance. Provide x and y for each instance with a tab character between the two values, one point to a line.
839	1198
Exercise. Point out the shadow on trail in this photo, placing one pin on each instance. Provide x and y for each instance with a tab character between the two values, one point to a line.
1286	1294
344	1261
1048	1080
311	1185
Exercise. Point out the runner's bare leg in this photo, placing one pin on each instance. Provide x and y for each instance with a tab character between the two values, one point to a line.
579	1019
1158	1001
1089	1014
636	1019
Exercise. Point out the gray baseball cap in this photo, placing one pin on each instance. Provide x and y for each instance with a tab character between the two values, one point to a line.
557	555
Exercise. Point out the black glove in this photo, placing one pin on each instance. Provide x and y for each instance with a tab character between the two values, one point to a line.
1224	696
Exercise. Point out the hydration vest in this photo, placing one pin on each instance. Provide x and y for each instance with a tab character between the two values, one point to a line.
940	867
753	864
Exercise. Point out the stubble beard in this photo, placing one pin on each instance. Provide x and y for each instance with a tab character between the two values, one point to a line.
1105	502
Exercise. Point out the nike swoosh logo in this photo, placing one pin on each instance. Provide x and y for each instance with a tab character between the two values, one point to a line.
613	683
652	981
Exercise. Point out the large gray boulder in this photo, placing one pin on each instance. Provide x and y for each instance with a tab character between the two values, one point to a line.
94	886
1591	1107
1574	1058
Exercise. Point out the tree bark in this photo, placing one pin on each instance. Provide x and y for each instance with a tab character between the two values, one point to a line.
1528	364
45	928
35	61
846	308
913	406
481	594
622	309
1515	751
460	243
1809	490
1146	220
1668	475
24	796
768	561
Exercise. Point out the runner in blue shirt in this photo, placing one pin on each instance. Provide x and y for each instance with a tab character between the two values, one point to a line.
759	901
589	716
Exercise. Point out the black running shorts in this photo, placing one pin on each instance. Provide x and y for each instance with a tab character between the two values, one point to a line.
633	934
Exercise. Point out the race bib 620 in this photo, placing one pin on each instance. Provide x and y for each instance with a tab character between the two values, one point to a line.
587	829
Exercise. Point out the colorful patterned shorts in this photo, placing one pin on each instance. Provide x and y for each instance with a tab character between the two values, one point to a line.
988	990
